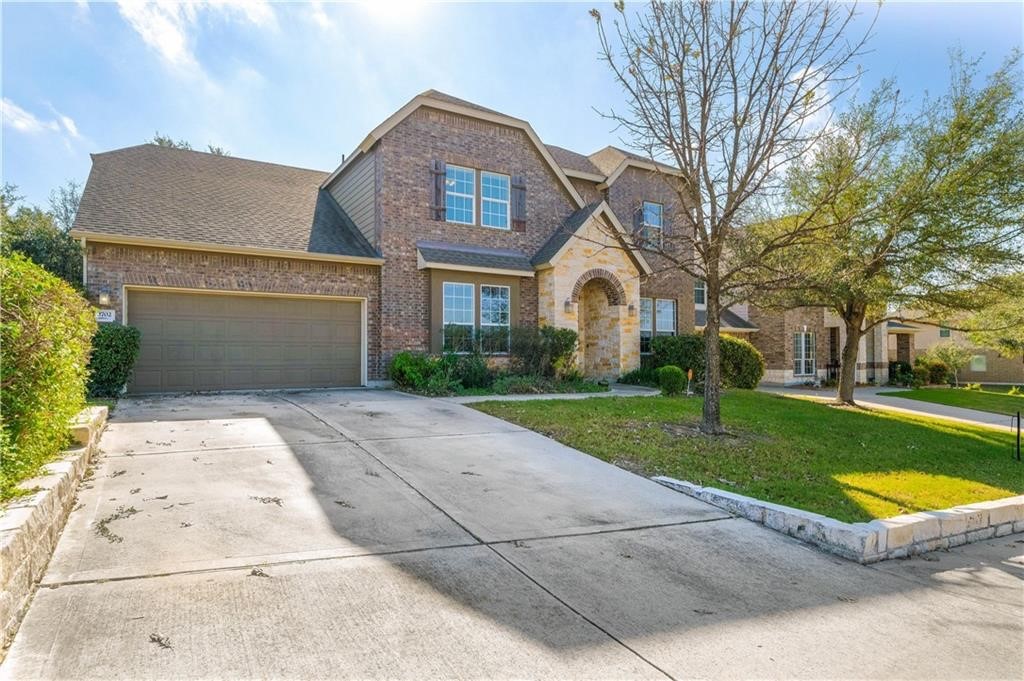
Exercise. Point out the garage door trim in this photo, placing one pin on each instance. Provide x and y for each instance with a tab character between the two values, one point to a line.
364	346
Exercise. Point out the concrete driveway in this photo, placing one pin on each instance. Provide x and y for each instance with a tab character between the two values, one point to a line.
355	534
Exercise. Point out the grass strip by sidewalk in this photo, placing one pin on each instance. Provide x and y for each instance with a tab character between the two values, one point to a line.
990	399
849	464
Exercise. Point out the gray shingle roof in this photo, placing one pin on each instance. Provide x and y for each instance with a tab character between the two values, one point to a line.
609	158
900	326
156	192
564	232
570	160
729	320
442	253
445	97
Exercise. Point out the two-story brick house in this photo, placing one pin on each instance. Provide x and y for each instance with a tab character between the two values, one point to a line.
448	216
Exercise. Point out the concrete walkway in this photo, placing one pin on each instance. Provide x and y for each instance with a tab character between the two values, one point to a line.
370	534
869	396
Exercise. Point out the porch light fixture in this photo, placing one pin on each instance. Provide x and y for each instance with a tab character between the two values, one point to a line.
632	310
568	305
104	298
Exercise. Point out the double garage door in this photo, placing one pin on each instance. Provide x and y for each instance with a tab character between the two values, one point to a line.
213	341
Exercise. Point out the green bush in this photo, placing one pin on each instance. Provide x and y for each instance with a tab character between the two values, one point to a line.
936	371
522	385
472	371
45	332
114	351
542	351
642	375
742	365
919	376
411	370
901	373
672	380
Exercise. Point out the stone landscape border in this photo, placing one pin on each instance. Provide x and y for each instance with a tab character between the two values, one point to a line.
31	525
898	537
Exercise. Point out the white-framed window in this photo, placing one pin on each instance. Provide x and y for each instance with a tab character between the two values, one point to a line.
944	332
646	324
803	354
979	363
495	318
700	294
494	200
458	316
460	195
653	223
665	317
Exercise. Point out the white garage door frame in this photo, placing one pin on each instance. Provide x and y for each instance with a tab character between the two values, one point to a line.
363	341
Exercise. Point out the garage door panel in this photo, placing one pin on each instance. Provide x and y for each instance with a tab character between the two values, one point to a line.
198	341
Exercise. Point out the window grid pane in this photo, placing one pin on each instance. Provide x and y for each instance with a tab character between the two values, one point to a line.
494	306
494	208
699	292
646	324
803	354
458	304
652	218
460	194
665	319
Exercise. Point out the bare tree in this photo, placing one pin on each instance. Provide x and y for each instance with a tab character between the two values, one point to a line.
730	94
64	202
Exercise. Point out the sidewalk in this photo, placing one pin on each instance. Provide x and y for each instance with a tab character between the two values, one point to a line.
868	396
615	390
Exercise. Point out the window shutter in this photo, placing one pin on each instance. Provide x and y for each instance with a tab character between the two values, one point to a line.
666	220
437	176
518	200
638	218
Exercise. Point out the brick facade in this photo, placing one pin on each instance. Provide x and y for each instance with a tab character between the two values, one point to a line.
111	267
774	338
404	156
625	195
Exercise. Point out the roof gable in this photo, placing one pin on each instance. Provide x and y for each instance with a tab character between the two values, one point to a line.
552	250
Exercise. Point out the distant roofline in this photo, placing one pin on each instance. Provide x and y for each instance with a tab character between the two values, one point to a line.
227	157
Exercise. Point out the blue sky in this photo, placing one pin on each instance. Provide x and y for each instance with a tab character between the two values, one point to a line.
302	84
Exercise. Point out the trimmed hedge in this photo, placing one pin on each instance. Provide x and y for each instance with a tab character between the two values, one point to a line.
114	351
46	330
742	363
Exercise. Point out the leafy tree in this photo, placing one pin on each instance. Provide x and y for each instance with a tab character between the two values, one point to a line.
727	93
34	233
1000	324
64	202
933	223
167	141
953	356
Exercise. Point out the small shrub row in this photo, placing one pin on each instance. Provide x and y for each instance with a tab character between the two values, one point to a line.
925	371
46	329
114	351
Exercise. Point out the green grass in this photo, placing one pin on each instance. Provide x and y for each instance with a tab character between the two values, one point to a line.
850	464
110	404
991	399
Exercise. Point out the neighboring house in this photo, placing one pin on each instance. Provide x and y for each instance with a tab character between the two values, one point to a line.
911	339
448	219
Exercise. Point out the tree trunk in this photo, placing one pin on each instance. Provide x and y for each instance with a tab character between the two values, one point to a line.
711	421
848	369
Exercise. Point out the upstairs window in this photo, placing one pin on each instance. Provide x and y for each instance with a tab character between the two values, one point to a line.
979	363
943	332
653	224
460	195
700	293
803	354
494	200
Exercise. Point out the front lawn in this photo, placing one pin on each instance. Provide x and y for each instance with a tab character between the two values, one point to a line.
991	399
850	464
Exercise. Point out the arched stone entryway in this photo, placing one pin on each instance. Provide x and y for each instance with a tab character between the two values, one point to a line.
600	297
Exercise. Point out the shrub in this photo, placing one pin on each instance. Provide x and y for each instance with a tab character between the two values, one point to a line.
937	371
642	375
114	351
521	385
1016	390
671	380
742	364
919	376
900	373
542	351
45	331
472	371
411	370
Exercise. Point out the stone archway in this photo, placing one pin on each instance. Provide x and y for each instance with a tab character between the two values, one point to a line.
599	296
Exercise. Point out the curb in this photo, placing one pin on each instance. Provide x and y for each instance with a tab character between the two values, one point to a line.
898	537
31	525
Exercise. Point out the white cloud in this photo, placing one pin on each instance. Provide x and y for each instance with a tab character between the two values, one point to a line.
167	26
319	16
23	121
69	125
